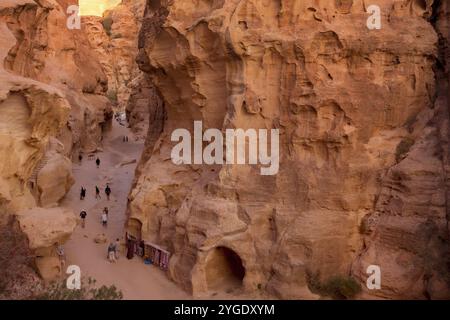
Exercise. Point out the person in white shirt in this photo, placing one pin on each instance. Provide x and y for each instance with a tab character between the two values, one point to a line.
104	219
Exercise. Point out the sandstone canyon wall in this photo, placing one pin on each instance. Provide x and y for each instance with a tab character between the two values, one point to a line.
362	115
114	39
363	120
53	104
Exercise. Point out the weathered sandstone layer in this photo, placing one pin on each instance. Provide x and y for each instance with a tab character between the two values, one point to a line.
407	231
53	104
363	121
114	39
44	229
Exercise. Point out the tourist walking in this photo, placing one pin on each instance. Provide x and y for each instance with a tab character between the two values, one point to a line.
80	157
97	161
97	193
107	191
104	219
82	193
111	252
83	215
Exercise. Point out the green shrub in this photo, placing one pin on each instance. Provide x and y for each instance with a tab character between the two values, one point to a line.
403	148
59	291
364	227
313	280
337	287
107	23
409	123
112	96
340	287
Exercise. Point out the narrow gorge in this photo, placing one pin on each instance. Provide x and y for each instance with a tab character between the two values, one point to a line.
363	122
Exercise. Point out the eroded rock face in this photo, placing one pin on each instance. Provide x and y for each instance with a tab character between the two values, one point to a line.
32	113
45	229
363	137
55	178
65	100
53	104
114	39
408	232
47	51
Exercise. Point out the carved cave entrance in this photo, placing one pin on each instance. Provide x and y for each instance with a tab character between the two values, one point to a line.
224	270
134	229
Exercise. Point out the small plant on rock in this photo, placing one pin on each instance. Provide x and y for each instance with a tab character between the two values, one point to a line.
403	148
107	23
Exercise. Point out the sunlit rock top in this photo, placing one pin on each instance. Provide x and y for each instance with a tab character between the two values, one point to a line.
96	7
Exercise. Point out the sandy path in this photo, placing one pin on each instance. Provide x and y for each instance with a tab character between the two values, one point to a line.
135	279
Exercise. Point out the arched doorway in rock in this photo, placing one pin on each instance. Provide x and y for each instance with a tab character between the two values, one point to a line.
134	227
224	270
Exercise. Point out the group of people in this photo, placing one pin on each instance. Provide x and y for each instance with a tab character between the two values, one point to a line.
97	192
107	192
113	247
104	217
97	160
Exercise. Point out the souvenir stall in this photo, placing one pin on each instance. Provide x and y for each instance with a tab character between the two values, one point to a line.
134	246
156	255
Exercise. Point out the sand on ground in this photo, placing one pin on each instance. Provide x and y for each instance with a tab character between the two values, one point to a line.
133	278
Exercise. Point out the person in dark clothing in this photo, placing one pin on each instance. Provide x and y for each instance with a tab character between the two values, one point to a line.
80	157
83	215
107	191
97	193
130	249
97	162
82	193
